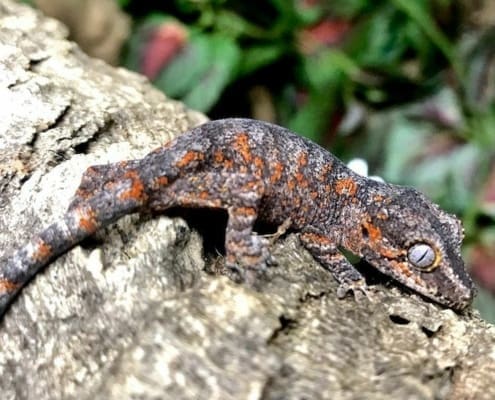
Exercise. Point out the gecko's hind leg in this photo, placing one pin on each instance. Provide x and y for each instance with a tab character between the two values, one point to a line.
239	194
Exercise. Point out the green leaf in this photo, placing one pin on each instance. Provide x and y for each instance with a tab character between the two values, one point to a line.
256	57
314	117
187	68
408	151
326	74
223	60
350	8
328	68
378	41
233	24
123	3
484	302
419	12
479	128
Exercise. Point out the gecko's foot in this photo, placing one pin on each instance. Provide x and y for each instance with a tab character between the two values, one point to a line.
244	275
233	271
358	288
271	261
248	259
281	230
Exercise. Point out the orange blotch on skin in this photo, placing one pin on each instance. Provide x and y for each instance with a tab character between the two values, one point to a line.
259	163
375	236
87	220
190	157
136	191
391	253
301	180
218	156
404	270
241	144
382	215
7	286
374	233
250	259
249	186
204	195
164	146
278	169
323	175
83	194
43	251
161	181
110	185
315	238
302	159
346	187
91	170
246	211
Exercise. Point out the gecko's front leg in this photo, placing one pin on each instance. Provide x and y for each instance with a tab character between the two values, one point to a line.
325	251
239	194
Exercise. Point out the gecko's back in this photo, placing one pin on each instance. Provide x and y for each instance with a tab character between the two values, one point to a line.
298	174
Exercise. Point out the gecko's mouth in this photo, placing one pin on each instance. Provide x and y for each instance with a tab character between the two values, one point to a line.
436	285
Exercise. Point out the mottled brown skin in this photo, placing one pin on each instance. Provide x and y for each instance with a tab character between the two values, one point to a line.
259	171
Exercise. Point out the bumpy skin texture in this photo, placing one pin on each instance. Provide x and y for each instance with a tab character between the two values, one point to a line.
257	170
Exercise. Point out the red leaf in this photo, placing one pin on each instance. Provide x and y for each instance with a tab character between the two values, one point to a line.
164	42
482	260
326	33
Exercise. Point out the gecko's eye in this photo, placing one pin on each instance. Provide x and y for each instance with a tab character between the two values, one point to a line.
422	256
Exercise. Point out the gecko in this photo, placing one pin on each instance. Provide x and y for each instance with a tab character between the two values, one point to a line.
256	170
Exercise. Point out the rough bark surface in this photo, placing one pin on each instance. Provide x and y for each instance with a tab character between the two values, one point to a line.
132	313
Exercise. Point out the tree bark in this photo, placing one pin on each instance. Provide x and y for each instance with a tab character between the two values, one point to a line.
136	312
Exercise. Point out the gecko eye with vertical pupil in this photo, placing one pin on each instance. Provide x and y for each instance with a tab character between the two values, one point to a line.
421	255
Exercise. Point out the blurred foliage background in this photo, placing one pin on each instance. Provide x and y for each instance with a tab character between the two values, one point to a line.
408	86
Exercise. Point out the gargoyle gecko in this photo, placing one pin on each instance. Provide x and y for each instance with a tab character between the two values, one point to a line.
256	170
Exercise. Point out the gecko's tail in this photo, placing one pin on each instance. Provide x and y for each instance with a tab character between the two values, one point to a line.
106	193
25	262
55	240
80	221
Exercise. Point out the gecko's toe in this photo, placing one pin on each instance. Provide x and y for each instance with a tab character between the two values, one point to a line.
234	272
247	275
271	261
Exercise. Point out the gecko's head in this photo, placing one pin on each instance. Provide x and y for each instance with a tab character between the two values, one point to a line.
409	238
